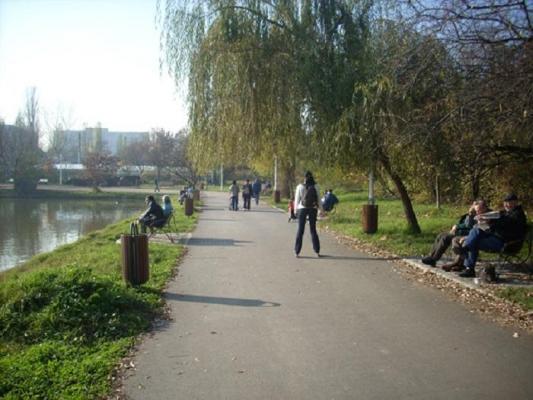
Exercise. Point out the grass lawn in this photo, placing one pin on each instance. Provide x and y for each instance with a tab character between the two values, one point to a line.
67	318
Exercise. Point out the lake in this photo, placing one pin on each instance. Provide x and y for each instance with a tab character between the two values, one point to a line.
32	226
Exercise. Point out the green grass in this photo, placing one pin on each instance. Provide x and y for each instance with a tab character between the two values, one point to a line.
521	296
66	317
393	233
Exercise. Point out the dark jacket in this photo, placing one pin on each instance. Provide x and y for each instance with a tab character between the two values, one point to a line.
466	223
511	226
154	211
256	187
246	190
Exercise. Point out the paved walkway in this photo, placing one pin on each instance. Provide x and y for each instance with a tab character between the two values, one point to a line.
250	321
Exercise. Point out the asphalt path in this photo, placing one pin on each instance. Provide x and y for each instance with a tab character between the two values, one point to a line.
251	321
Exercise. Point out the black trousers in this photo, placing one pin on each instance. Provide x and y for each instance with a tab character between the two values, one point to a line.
303	213
441	244
246	200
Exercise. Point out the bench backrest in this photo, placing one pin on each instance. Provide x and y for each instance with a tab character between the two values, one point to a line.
515	246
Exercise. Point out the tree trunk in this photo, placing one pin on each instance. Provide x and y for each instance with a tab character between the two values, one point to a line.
406	200
287	185
475	185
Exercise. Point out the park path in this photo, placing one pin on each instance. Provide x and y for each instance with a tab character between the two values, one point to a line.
251	321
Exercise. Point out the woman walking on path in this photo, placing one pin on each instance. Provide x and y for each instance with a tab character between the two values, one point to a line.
306	200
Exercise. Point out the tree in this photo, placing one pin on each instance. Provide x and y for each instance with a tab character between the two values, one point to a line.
181	165
25	151
161	150
57	123
4	152
266	79
491	124
136	153
99	166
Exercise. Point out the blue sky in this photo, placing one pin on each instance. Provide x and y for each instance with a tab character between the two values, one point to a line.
90	60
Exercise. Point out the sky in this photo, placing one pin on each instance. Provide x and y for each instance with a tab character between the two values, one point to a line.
92	61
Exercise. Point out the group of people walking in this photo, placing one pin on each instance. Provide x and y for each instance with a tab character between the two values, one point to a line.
248	190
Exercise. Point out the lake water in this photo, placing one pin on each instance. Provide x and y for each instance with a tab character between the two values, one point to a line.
32	226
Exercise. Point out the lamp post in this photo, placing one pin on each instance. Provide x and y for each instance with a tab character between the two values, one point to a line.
60	169
369	212
221	177
277	194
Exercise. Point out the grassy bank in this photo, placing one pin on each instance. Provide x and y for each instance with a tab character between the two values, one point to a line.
393	234
66	317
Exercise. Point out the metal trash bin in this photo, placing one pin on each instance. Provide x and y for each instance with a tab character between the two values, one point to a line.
135	269
369	218
189	206
277	196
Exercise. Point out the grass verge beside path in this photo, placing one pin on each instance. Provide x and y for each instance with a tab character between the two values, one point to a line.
393	236
67	318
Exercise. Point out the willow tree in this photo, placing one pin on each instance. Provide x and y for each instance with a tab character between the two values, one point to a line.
244	105
266	77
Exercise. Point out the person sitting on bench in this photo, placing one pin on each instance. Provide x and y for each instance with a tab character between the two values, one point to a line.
153	216
509	225
167	206
461	229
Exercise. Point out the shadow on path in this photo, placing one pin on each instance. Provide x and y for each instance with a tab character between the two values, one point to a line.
198	241
226	301
369	258
217	219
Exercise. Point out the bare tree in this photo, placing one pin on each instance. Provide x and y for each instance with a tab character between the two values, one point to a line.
99	166
136	154
181	165
57	123
25	152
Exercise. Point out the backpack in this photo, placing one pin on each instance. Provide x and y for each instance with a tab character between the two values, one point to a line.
310	197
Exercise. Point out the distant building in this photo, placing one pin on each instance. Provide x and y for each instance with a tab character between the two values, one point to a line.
78	143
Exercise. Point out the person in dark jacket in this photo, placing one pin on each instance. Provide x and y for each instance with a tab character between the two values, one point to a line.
509	225
153	216
461	229
246	194
256	190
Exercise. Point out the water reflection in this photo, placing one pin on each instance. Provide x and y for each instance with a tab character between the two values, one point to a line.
32	226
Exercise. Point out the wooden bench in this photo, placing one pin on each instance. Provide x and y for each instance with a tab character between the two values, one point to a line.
167	228
514	257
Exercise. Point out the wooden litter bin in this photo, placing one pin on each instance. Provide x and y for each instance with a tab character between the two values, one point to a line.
369	218
277	196
135	269
189	206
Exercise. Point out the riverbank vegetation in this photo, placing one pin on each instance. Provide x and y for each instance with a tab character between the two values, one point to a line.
67	318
